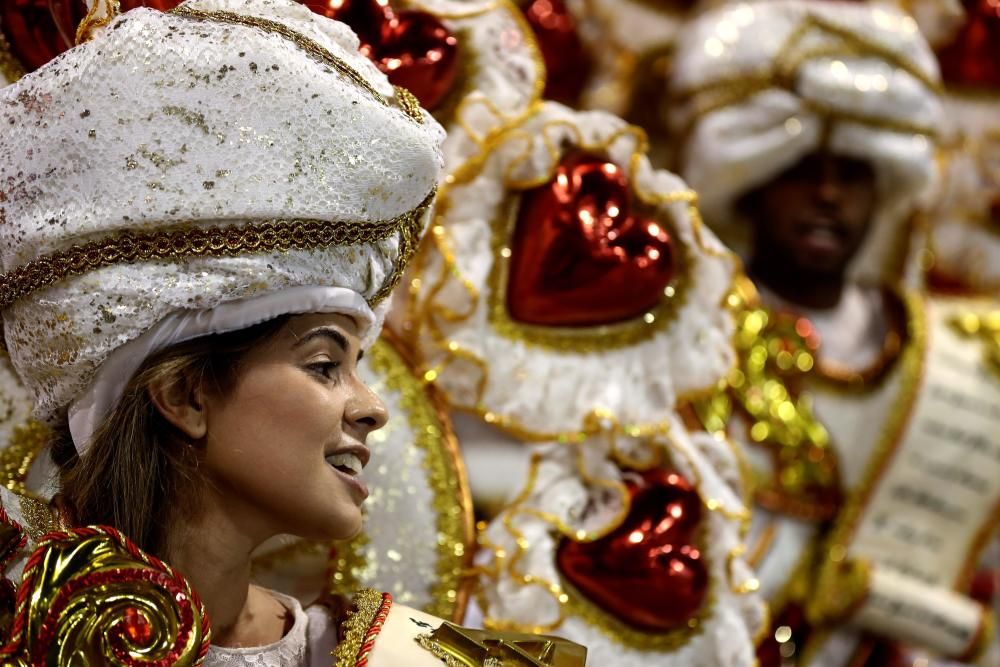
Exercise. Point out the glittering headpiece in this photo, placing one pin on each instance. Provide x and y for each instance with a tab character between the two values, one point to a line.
758	86
198	171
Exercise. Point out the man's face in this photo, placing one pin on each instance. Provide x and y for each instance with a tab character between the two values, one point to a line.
815	215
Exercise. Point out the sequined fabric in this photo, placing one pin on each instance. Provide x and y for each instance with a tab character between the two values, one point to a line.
190	121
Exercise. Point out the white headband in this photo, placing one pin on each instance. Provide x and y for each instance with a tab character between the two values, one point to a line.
88	411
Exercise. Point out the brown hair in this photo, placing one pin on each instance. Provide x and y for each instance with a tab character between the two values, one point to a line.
140	472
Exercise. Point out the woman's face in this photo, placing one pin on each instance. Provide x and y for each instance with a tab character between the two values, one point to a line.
285	447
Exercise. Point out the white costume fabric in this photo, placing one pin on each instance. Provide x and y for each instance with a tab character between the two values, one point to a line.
571	409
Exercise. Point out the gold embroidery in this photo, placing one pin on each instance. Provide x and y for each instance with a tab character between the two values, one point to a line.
409	103
39	517
257	237
465	647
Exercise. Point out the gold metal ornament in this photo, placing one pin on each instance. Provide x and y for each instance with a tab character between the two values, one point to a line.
90	598
465	647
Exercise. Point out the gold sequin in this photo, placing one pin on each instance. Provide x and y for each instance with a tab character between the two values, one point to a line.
774	360
985	327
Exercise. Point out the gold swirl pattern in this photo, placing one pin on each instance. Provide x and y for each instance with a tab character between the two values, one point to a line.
89	598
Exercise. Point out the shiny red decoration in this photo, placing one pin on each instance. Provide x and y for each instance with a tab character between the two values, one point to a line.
973	57
649	572
39	30
567	63
413	48
580	256
137	627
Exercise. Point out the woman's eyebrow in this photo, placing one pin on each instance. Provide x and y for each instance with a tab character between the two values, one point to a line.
324	332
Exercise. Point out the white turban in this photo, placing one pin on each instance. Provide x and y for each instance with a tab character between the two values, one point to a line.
758	86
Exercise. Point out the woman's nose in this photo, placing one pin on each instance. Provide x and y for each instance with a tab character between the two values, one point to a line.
365	409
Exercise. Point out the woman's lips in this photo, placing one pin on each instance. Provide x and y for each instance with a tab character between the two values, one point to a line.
358	487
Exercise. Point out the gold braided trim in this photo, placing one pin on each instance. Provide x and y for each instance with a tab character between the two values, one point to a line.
10	68
96	19
407	101
367	603
231	240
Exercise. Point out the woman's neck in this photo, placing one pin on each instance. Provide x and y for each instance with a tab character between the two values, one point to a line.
213	552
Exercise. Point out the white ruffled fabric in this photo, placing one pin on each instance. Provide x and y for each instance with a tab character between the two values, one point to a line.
734	615
732	149
500	70
544	390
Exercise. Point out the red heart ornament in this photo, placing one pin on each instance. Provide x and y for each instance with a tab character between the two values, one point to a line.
649	572
973	56
567	63
39	30
579	255
413	48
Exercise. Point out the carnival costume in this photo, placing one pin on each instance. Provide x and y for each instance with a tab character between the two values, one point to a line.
559	346
156	190
878	417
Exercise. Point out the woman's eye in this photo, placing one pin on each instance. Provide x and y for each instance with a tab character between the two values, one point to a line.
325	368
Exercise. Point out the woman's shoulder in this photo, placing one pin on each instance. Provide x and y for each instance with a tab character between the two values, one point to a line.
377	632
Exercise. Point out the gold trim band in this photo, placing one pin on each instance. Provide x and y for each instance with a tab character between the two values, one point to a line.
231	240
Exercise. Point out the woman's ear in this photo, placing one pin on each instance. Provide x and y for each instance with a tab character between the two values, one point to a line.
181	402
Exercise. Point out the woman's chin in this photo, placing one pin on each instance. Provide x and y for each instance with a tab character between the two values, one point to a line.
343	525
